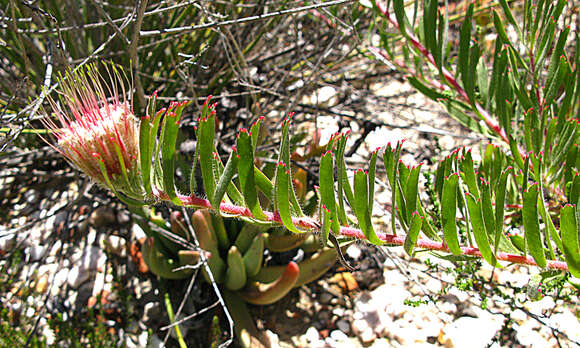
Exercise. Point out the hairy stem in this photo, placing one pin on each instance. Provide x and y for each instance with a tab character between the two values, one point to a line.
314	225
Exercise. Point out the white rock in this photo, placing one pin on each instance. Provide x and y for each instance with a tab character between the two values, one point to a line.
341	338
353	251
359	325
137	232
77	276
312	334
143	338
470	332
538	307
60	278
368	336
528	336
6	242
36	252
325	96
115	245
90	258
567	323
273	338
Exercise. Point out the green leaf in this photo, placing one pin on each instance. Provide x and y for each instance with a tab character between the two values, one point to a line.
448	213
555	59
464	42
205	142
170	130
429	27
145	140
399	8
500	194
246	174
284	157
570	238
411	188
478	227
282	193
412	235
264	184
344	188
255	131
468	173
530	215
372	171
225	180
326	189
361	208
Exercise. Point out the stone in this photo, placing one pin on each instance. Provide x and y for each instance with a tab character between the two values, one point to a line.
343	325
90	258
77	276
137	232
312	334
35	252
116	245
528	335
470	332
102	216
354	252
341	338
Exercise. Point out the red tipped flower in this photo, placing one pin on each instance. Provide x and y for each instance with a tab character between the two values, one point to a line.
96	128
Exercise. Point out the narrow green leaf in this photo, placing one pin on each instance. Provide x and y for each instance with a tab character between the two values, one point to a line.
326	189
170	130
284	157
570	238
429	27
464	42
255	131
372	171
246	174
344	188
205	142
412	235
225	180
145	139
411	189
478	227
399	8
468	173
500	193
530	215
555	59
263	183
282	196
361	209
448	213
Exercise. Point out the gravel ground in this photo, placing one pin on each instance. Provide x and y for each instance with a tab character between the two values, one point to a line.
80	254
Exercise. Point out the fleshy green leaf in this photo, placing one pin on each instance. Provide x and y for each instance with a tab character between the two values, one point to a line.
414	228
477	224
570	238
448	213
530	215
246	174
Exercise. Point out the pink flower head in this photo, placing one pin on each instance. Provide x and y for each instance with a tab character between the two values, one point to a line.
96	128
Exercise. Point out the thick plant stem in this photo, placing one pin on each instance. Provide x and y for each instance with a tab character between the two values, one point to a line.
314	225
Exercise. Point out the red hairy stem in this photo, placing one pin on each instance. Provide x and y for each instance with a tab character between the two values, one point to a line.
314	225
